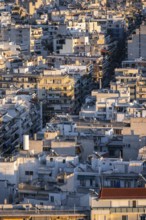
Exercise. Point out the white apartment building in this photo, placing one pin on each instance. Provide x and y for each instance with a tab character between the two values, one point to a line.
70	45
28	37
108	172
18	116
27	173
105	100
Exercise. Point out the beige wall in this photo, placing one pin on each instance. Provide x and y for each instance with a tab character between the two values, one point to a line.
104	210
137	127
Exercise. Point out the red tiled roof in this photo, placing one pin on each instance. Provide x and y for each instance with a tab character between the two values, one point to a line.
123	193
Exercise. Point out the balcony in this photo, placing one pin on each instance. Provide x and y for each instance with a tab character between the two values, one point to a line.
53	97
54	92
128	210
121	209
14	130
100	104
14	142
142	91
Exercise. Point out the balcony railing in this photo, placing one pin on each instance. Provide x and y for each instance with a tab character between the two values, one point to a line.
122	209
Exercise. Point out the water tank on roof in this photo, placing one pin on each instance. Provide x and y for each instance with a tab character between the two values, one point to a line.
25	142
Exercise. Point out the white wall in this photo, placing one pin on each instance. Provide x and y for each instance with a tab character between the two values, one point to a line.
67	47
8	171
28	164
69	185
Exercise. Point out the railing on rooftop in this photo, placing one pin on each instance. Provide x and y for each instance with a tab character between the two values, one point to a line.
38	212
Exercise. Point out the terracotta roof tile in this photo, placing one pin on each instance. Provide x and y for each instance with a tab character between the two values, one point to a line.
123	193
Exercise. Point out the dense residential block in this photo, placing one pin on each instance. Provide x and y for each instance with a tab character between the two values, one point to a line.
73	109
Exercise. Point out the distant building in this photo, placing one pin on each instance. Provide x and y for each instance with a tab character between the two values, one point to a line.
136	43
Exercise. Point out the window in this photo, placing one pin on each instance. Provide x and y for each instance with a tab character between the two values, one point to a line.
128	145
128	184
134	204
50	81
57	81
82	183
52	198
29	173
124	217
117	131
91	182
143	218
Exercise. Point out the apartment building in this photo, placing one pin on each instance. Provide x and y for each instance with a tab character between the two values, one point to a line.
9	50
134	137
36	34
24	168
116	26
21	73
103	102
31	6
65	89
118	203
18	13
75	136
129	76
71	45
18	116
136	43
135	78
26	81
108	172
83	25
61	90
27	37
